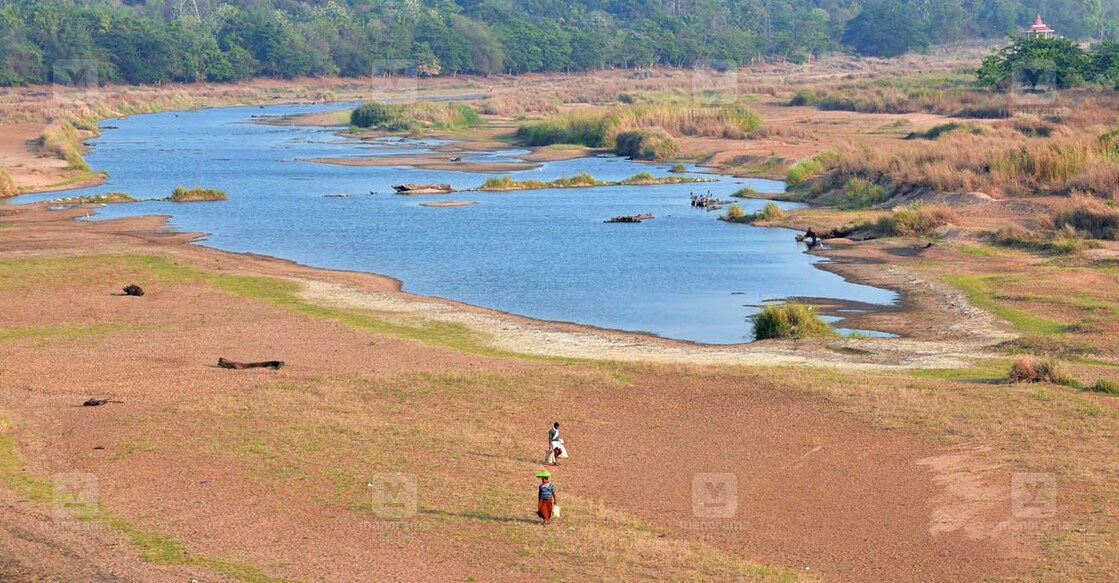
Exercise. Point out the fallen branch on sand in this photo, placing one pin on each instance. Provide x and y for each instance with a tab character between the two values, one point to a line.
272	364
98	402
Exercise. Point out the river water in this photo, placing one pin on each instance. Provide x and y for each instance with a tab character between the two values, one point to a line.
544	254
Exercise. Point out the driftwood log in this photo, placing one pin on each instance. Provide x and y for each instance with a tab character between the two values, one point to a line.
272	364
133	290
98	402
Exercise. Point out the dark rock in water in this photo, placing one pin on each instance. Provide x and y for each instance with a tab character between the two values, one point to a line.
630	218
133	290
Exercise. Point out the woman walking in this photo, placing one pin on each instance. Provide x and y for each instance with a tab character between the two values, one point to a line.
546	499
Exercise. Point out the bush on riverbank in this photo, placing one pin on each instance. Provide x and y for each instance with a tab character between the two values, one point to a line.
769	212
61	139
181	194
917	220
789	321
412	117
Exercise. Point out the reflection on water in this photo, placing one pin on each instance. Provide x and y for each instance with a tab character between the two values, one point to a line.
545	254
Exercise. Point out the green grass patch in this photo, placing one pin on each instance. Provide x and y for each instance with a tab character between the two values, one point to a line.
981	291
153	547
986	371
13	470
196	194
414	117
504	183
107	198
937	131
985	251
161	549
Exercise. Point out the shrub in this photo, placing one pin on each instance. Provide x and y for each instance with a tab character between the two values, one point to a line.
1062	242
181	194
860	194
803	170
804	97
917	220
746	192
1030	369
789	321
7	185
1106	386
678	169
651	144
770	212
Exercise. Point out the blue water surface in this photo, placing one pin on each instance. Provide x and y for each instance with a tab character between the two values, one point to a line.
545	254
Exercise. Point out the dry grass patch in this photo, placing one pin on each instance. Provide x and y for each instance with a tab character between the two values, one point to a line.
1030	369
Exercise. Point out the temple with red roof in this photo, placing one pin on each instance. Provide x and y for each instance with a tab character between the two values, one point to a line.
1040	29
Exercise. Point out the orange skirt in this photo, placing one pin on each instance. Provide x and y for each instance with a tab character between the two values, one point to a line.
544	508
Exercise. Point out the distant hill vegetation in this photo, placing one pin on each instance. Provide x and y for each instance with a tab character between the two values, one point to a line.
151	41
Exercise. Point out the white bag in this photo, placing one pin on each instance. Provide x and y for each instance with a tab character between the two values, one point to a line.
556	511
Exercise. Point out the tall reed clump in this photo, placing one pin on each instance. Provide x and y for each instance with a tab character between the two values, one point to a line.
789	321
916	220
589	129
7	185
1089	216
600	129
997	161
410	117
1030	369
61	139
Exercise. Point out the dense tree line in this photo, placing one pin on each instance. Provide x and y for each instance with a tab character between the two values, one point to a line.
1055	63
148	41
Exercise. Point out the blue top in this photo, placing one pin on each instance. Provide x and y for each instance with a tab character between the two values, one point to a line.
547	491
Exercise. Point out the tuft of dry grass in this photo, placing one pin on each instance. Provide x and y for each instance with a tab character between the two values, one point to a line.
7	185
1031	369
